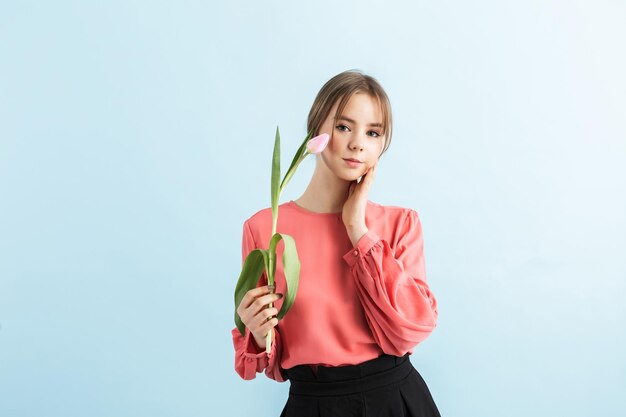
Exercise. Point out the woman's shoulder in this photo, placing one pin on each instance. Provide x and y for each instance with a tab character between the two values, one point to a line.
264	215
375	211
392	222
379	211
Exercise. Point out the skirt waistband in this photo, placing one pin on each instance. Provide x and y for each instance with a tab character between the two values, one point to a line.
350	379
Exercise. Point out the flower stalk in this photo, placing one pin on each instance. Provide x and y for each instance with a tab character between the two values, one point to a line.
264	260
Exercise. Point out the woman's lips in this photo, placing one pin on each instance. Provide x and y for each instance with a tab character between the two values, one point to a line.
353	164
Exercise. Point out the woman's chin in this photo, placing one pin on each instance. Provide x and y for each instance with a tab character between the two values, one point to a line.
349	176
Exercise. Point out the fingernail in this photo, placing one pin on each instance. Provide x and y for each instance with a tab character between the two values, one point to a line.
280	296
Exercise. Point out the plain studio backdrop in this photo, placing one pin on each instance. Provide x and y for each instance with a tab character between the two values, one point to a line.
136	137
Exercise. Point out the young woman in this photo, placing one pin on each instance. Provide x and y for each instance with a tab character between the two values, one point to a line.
363	302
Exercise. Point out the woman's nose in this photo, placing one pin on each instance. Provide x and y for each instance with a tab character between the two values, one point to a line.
357	142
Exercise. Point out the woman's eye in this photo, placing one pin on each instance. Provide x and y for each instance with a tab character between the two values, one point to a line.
343	128
374	133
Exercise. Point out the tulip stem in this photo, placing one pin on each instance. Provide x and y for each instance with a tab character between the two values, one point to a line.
301	153
270	273
292	170
270	280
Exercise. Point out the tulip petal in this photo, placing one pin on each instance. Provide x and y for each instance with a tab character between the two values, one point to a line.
318	143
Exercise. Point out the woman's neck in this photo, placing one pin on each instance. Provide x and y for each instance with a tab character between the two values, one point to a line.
324	194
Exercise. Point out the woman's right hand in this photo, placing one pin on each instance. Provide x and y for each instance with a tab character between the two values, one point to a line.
256	316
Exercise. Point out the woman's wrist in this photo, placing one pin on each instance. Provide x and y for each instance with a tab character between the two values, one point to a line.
356	233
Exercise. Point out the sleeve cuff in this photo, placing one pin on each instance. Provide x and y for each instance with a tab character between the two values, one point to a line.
252	351
363	246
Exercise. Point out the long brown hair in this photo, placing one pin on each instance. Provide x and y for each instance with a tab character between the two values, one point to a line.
339	89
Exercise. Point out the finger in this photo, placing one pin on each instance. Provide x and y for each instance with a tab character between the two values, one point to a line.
367	173
265	328
262	302
352	187
256	318
371	173
266	314
365	179
253	294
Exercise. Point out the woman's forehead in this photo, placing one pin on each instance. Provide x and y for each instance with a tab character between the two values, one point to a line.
360	107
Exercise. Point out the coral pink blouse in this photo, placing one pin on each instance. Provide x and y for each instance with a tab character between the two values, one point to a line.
353	303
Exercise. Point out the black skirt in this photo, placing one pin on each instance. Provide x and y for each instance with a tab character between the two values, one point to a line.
385	386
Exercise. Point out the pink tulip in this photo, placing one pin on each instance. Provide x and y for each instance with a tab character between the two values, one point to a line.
318	143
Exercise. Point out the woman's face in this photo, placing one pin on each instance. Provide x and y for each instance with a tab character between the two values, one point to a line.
357	134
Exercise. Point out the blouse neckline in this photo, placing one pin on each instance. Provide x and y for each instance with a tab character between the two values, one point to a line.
312	213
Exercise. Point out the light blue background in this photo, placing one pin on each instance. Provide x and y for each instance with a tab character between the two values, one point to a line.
135	139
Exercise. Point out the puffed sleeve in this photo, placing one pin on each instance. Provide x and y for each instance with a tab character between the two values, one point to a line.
391	284
249	359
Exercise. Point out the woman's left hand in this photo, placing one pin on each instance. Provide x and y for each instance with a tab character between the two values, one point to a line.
353	213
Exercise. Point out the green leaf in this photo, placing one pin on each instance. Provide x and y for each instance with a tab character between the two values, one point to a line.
251	271
275	179
296	160
291	269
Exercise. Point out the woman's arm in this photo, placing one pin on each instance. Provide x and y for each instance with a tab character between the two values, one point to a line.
249	358
391	283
